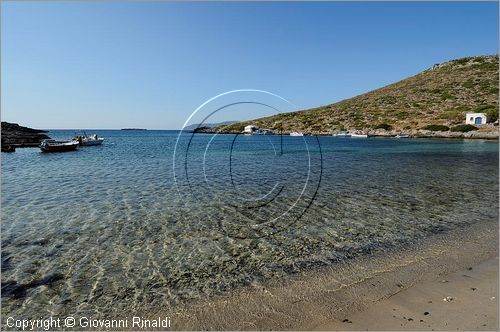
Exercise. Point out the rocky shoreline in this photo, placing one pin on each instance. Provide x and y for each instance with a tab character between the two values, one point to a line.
420	133
449	134
16	136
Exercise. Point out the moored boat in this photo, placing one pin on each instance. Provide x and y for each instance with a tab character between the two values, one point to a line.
359	135
402	136
295	133
89	140
342	134
50	145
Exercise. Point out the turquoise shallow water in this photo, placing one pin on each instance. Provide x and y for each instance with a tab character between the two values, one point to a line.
121	228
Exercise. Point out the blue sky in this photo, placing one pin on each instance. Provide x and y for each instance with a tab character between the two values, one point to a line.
150	64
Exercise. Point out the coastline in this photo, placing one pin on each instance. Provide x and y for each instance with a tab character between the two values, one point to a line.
482	135
324	298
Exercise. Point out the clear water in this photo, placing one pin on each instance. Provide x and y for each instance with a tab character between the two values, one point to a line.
113	229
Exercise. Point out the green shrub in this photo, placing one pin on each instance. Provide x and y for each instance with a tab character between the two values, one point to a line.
468	84
462	108
491	112
359	125
446	95
402	115
435	127
388	99
383	126
232	127
451	114
462	61
463	128
487	66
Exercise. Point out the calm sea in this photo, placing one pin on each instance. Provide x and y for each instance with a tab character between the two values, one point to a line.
124	227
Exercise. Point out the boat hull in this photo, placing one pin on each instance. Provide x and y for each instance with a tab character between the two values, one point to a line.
65	147
91	143
88	140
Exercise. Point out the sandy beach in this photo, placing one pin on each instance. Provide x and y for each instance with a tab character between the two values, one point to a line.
382	292
464	300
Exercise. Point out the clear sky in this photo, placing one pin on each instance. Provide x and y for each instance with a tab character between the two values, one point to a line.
150	64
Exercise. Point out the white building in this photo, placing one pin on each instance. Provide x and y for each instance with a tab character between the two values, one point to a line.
475	118
250	129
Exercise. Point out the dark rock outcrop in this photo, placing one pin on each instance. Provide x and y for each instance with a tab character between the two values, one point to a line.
18	291
14	135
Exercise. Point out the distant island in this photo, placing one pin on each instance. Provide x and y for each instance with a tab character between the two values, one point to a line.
16	136
433	103
136	129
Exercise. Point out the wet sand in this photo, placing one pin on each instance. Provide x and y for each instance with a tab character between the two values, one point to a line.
388	291
464	300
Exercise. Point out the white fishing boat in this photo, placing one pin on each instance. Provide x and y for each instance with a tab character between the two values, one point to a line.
402	136
359	135
296	133
342	134
89	140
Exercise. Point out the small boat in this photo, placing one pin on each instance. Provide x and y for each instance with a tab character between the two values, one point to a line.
402	136
295	133
342	134
50	145
262	132
359	135
89	140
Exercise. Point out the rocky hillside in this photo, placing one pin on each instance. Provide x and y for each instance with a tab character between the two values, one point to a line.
440	95
19	136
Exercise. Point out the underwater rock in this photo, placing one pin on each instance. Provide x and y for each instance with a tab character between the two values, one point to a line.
17	291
